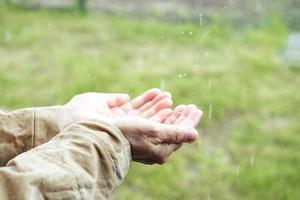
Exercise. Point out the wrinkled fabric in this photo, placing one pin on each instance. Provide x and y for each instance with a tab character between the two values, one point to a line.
87	160
18	129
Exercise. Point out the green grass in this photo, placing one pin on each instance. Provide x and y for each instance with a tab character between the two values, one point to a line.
249	146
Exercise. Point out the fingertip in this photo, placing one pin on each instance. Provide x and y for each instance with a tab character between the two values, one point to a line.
165	103
180	107
125	98
154	90
150	94
199	112
170	102
191	134
168	94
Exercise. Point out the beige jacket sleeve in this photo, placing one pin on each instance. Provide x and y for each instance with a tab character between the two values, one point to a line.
88	160
24	129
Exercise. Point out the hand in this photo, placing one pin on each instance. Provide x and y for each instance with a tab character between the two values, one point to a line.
107	105
154	141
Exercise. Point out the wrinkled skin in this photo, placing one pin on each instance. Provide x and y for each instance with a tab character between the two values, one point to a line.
153	130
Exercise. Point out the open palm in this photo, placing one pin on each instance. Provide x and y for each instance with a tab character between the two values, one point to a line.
110	105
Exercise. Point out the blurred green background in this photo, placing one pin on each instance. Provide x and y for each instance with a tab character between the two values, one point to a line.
229	64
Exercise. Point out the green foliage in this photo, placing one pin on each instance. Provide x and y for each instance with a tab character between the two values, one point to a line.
249	144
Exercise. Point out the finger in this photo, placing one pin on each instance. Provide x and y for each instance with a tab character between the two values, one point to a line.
185	113
151	103
162	115
178	134
176	113
114	100
164	103
192	119
142	99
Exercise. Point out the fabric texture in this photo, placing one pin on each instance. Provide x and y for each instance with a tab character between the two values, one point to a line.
87	160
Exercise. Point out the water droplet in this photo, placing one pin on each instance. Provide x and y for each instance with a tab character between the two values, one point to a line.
190	33
208	196
252	159
237	170
201	19
182	32
7	36
182	75
210	110
205	35
224	8
50	26
209	83
162	84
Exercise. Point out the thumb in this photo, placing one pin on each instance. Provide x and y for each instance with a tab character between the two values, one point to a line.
178	134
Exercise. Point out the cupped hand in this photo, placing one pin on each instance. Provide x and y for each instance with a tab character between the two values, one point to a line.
110	105
153	141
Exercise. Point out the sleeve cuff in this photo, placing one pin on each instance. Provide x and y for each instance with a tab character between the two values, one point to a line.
47	122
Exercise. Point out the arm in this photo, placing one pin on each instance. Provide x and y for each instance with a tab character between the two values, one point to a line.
87	160
18	129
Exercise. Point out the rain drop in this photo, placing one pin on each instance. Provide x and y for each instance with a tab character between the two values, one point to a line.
237	170
162	84
201	20
7	36
210	111
252	160
209	83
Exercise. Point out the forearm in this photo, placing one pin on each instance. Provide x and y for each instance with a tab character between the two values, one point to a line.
24	129
87	160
